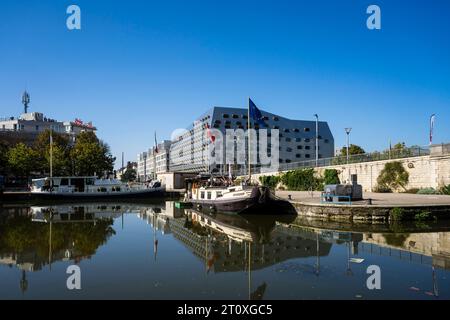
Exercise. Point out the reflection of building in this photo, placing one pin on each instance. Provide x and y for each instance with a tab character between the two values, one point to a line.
435	245
223	254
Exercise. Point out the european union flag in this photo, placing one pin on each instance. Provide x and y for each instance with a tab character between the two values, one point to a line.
254	112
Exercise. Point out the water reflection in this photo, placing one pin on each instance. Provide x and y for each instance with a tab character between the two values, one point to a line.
32	239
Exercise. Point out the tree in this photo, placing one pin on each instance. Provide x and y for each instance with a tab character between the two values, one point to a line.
91	156
129	175
331	176
353	150
21	159
399	146
61	160
393	176
3	157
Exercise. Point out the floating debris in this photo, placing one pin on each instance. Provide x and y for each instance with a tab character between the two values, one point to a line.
414	289
357	260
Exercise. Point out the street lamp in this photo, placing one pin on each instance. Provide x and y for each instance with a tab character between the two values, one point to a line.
317	139
347	131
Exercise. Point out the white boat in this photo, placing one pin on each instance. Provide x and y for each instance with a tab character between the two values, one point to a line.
92	187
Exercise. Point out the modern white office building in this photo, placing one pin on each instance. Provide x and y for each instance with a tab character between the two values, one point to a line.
148	160
297	139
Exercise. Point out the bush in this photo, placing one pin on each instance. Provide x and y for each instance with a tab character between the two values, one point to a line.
397	214
331	176
423	216
302	180
427	191
446	190
393	176
270	181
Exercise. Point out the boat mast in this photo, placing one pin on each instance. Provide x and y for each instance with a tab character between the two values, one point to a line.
51	157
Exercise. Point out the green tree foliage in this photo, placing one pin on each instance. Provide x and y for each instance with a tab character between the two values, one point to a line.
62	165
91	156
331	176
446	190
302	180
270	181
3	157
129	175
353	150
22	159
393	176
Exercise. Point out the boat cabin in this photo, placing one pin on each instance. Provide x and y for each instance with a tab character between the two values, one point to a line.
215	193
77	184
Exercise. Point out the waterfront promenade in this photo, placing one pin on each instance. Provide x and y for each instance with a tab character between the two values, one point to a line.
376	207
378	199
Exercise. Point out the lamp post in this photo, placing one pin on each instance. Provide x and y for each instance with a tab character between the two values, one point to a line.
347	131
145	166
317	139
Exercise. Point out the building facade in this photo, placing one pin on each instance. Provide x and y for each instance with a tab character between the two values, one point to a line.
29	125
148	160
191	151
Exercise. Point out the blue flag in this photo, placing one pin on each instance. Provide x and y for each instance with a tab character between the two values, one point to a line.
254	112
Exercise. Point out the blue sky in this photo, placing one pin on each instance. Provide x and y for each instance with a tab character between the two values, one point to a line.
140	66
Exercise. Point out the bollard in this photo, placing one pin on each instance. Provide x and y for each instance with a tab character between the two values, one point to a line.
369	202
289	197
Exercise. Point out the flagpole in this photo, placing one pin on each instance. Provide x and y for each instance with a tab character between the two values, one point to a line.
249	144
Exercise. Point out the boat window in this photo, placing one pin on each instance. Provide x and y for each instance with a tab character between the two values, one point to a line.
202	195
78	183
219	194
209	195
90	181
232	190
64	182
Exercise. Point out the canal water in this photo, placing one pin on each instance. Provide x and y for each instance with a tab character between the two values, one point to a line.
156	251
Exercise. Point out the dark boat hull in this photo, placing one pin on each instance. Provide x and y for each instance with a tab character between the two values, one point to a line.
261	201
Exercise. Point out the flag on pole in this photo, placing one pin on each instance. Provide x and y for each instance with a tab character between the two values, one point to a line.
156	144
208	132
255	113
432	120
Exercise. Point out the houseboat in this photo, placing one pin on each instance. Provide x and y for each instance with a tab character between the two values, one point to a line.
92	187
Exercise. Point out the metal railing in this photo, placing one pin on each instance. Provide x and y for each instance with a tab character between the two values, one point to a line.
340	160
